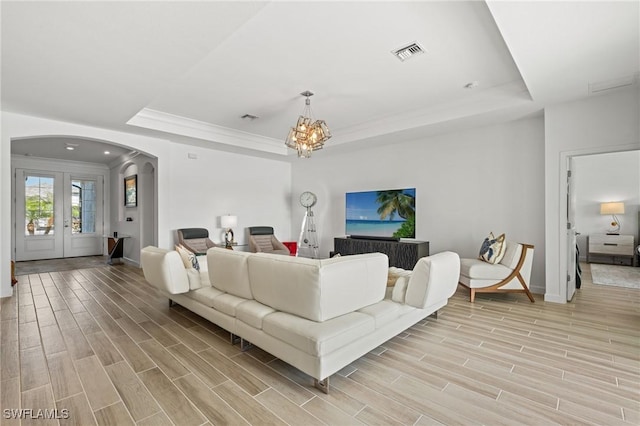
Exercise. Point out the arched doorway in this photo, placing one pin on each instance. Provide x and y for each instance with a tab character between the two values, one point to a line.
79	193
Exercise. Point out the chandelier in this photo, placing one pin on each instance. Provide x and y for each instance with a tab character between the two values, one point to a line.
308	135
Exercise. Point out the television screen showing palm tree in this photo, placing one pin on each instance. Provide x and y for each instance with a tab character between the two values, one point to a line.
388	213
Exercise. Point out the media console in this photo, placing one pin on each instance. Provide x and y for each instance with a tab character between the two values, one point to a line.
402	254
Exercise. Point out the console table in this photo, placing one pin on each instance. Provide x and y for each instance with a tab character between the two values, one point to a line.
612	246
115	247
402	254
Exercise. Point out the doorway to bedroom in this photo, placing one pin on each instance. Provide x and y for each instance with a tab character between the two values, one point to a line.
612	253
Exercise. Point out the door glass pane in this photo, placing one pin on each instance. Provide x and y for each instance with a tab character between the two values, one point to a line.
83	206
38	207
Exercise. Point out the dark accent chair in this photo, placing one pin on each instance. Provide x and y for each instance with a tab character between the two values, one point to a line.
195	240
262	240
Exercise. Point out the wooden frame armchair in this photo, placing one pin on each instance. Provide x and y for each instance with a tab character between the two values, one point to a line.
510	275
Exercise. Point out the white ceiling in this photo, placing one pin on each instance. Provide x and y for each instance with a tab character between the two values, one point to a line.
84	150
187	71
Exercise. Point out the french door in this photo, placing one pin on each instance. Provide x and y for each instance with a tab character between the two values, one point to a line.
58	214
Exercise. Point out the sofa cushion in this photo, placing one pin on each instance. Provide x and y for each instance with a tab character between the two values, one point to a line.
253	313
205	295
227	303
318	338
492	249
383	312
512	255
228	271
476	268
315	289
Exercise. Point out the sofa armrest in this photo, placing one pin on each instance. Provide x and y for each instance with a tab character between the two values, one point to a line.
164	270
434	279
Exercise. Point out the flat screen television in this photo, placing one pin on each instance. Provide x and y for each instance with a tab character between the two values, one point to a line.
381	214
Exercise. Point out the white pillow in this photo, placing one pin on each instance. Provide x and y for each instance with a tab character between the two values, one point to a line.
400	289
188	258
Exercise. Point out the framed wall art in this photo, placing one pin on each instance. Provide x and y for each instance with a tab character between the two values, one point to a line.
131	191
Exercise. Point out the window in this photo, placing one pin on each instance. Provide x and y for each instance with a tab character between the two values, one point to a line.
83	206
39	205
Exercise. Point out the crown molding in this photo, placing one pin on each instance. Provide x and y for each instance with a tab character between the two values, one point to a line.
177	125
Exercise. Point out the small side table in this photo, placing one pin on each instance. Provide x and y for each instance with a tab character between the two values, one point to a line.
235	246
115	247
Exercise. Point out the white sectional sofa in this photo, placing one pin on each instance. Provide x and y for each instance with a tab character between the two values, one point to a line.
317	315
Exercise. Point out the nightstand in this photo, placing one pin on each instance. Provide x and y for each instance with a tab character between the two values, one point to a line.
618	248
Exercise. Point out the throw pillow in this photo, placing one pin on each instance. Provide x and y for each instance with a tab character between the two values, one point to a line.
395	273
493	249
400	289
391	280
188	258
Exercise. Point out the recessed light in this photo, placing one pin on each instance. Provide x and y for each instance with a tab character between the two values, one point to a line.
70	148
107	153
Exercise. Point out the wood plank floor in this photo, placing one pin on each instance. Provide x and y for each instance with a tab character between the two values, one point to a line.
101	346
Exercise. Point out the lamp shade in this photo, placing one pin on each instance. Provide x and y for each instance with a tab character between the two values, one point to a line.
612	208
228	221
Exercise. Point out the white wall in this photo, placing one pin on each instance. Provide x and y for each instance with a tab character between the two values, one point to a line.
602	178
143	212
467	185
605	123
256	190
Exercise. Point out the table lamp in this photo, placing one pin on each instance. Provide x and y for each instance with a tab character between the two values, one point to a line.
613	209
227	222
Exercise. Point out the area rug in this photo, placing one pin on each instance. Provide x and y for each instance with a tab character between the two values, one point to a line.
615	275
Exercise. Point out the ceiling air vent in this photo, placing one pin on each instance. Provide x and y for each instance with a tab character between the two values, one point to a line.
616	83
407	52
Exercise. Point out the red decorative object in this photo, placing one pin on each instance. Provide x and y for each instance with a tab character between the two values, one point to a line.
292	246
